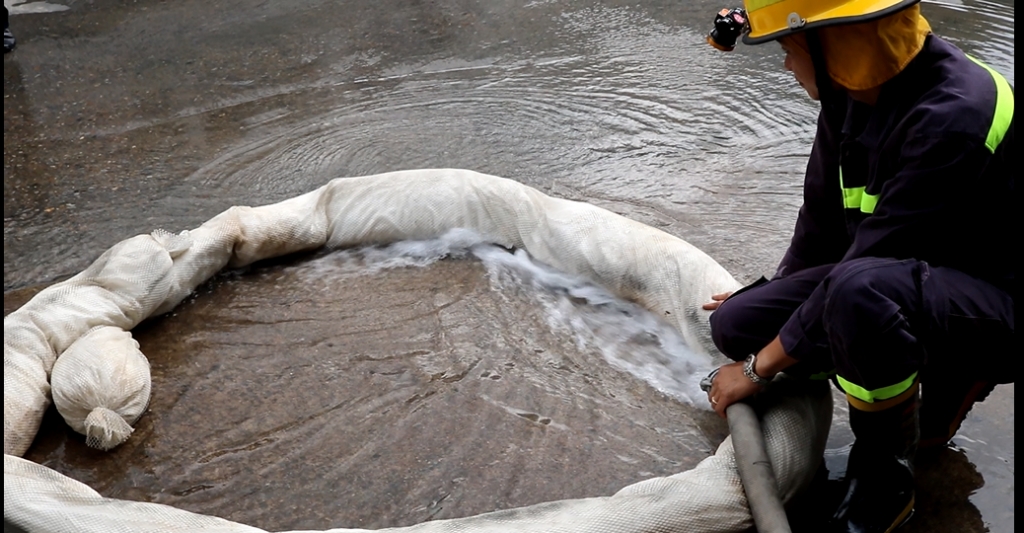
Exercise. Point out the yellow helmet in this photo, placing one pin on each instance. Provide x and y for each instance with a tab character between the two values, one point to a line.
771	19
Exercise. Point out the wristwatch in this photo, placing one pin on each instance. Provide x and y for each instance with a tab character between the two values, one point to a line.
748	370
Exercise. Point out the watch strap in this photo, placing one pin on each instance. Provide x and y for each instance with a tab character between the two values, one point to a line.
748	370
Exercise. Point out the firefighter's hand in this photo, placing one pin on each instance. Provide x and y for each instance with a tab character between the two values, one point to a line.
730	386
716	300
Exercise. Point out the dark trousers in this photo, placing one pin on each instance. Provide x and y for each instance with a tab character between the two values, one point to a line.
876	322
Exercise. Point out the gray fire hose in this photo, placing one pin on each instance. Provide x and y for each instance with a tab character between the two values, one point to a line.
755	470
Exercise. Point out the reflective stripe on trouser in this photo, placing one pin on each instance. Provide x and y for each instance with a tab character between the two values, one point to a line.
878	399
885	320
963	324
877	322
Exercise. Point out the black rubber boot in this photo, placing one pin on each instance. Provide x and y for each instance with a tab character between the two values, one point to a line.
880	472
945	402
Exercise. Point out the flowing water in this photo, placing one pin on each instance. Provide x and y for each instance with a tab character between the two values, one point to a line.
348	390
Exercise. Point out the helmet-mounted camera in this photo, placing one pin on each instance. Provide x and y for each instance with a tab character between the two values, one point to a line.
729	25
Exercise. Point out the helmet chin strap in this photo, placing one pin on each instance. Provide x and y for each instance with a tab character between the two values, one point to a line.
830	98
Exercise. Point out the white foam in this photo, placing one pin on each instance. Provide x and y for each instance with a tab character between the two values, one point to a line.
628	336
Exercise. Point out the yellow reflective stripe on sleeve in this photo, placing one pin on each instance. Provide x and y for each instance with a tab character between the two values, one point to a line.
856	198
852	197
872	396
1004	108
868	203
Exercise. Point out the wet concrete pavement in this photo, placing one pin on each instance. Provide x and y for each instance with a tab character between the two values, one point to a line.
123	117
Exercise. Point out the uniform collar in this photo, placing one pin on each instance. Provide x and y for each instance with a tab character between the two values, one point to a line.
867	124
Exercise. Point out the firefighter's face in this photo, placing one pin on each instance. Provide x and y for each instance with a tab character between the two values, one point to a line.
798	61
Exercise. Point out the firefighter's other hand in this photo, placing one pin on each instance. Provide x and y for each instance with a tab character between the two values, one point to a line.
716	301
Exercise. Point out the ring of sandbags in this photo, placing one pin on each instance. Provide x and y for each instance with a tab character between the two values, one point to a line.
150	274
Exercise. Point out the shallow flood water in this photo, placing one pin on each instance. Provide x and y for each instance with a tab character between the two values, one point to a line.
294	397
119	119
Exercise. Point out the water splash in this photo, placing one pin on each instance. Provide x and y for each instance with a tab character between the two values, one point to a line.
628	336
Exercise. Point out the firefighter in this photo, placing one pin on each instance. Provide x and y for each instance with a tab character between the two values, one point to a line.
898	283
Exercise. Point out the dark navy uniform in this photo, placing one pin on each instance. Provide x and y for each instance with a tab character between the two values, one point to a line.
901	262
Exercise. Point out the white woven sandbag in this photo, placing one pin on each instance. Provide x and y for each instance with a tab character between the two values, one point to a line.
101	386
147	275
